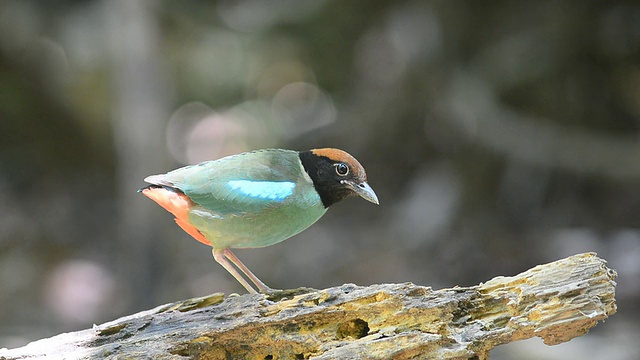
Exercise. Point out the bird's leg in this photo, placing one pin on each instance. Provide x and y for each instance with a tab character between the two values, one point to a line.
220	255
261	286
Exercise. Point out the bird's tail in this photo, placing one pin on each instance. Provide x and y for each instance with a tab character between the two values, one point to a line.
176	202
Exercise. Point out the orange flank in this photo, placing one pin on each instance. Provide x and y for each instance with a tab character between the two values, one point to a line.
178	204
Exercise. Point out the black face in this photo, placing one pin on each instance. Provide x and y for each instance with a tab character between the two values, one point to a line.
329	177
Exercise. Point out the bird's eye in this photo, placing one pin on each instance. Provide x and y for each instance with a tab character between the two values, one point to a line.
342	169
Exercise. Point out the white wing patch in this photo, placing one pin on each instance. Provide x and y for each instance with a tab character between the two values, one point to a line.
267	190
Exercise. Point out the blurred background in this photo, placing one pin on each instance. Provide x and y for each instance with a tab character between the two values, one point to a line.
497	137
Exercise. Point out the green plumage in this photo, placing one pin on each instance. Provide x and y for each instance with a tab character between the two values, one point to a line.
256	199
232	218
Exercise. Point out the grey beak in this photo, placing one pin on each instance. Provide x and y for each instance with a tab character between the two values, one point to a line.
365	191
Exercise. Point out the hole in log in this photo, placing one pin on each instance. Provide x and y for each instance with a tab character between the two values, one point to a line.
356	329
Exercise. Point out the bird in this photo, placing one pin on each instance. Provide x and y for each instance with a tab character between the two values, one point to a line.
256	199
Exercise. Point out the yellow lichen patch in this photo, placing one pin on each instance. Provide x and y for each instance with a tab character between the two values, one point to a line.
201	302
112	330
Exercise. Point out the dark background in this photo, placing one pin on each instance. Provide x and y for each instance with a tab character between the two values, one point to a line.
498	136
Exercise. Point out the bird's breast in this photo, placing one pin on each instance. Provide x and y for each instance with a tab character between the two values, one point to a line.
253	229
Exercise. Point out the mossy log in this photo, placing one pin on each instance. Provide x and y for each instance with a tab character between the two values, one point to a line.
556	302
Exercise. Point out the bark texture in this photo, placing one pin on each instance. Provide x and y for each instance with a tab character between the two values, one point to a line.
556	302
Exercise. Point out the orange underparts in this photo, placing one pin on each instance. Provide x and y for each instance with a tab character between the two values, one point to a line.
178	204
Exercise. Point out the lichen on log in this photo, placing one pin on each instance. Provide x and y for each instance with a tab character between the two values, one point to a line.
556	302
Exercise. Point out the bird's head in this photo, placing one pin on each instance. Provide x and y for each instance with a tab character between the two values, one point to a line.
336	175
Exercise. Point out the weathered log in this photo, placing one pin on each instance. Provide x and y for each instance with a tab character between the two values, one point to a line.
556	302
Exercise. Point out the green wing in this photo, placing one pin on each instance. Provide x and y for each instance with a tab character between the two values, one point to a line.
247	182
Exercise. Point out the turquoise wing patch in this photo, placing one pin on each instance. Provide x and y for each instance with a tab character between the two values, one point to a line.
260	189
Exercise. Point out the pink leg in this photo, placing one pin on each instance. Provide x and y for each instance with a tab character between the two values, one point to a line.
220	255
261	286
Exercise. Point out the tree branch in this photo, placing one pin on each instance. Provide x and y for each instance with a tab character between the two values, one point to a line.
556	302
